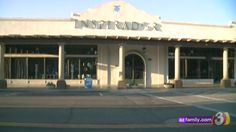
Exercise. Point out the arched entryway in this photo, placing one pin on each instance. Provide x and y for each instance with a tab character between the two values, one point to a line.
135	70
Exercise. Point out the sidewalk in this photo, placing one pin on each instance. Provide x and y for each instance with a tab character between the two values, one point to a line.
83	91
48	89
50	92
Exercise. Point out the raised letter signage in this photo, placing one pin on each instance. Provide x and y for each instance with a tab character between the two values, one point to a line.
113	25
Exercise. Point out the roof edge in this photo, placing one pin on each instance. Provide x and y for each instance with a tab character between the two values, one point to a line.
229	25
196	24
33	19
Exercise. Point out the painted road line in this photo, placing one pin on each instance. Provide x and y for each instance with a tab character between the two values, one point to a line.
91	106
100	94
99	126
212	109
188	104
217	99
162	98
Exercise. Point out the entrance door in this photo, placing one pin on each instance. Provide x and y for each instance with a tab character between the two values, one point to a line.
134	70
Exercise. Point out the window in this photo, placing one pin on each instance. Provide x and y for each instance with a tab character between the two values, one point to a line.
36	68
27	66
81	49
80	61
51	68
204	63
16	68
79	68
88	67
32	49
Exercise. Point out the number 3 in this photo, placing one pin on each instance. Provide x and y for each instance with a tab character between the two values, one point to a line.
219	118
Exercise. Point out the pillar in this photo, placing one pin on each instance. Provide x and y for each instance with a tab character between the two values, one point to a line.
121	82
235	64
185	68
61	80
109	66
225	82
3	83
177	80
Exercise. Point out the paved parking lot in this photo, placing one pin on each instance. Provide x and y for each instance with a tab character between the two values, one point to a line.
113	110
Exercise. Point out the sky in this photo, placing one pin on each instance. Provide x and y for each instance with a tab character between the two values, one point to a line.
196	11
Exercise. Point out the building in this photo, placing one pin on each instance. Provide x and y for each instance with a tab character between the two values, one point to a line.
116	45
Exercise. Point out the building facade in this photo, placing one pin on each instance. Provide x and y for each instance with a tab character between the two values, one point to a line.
116	45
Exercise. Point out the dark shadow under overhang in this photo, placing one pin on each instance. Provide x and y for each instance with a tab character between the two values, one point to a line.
92	39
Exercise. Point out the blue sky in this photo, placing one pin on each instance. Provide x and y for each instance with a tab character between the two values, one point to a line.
199	11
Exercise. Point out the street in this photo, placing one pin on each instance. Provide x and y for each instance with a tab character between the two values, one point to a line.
113	110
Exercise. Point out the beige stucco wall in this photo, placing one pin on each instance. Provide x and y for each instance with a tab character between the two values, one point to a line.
150	55
107	68
114	65
163	64
41	83
155	58
199	31
102	65
106	12
67	27
108	56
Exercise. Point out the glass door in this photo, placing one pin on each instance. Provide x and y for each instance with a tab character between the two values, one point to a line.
134	70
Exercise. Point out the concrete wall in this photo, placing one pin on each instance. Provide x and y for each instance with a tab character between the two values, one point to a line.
102	65
67	27
107	69
108	61
29	83
40	83
162	61
114	65
196	82
107	66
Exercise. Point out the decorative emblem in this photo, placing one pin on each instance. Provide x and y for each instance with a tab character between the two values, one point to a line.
116	8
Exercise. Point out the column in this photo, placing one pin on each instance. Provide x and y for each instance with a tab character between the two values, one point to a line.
109	66
61	82
225	82
3	83
225	64
185	68
234	64
177	81
121	62
61	62
121	82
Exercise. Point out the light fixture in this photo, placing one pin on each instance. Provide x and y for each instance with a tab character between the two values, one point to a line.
144	49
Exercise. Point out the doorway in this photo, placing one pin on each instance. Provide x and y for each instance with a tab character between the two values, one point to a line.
134	70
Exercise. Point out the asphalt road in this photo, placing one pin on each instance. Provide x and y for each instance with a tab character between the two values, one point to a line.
131	110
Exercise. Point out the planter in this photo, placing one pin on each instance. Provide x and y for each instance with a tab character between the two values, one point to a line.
50	85
168	85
